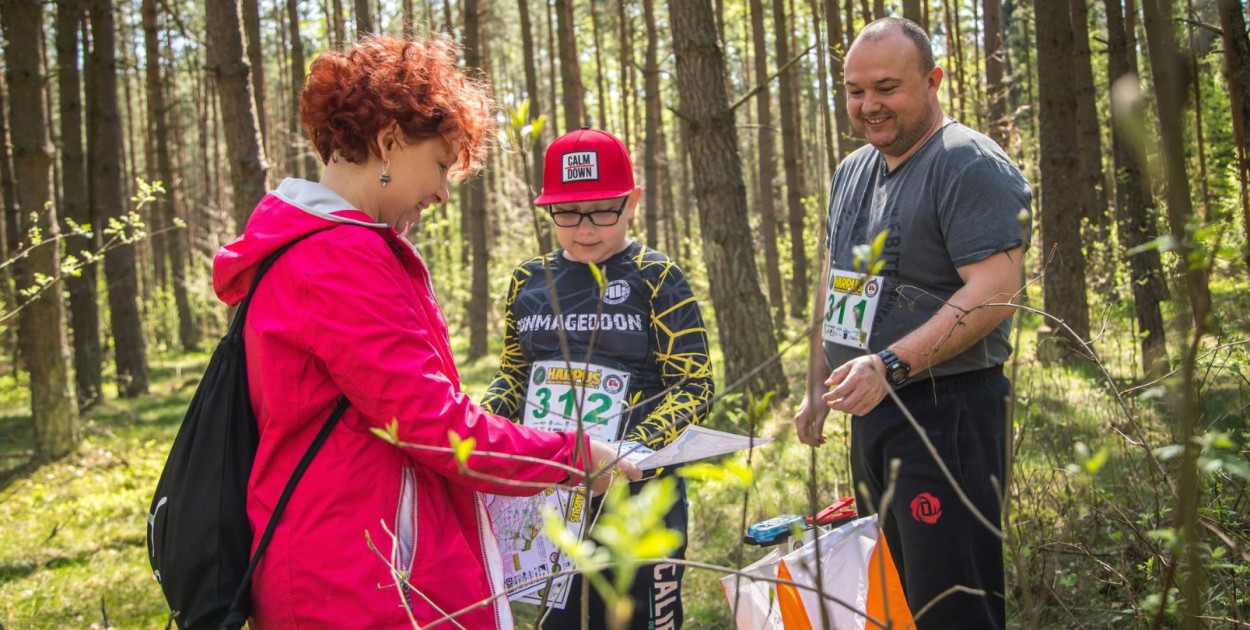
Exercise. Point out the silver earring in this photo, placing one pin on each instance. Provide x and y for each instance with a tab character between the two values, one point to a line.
385	177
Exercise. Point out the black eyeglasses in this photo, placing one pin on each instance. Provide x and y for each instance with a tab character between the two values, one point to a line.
599	218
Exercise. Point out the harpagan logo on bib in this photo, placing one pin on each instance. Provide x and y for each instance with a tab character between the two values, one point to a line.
617	292
580	166
613	384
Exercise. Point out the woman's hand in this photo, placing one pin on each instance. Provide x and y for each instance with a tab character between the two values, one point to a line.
607	466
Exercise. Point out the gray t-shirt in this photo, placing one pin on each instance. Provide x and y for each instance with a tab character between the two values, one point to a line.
955	201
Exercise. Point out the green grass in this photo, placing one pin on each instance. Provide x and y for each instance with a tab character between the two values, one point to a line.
74	545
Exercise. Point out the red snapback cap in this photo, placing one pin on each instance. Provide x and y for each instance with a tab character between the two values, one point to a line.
586	165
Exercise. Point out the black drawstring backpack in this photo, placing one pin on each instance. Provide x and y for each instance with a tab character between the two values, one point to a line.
199	538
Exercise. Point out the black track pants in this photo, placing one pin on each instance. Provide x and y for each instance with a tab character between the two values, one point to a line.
656	591
935	540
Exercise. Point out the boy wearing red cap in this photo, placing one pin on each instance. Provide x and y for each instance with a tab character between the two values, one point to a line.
641	338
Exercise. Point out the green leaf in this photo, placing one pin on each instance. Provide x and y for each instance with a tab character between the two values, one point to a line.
658	543
462	447
389	434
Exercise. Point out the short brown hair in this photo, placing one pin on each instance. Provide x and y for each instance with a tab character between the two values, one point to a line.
351	95
881	27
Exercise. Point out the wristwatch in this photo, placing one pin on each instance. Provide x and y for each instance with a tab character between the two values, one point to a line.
896	371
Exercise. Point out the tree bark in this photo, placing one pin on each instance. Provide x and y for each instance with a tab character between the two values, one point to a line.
911	11
650	142
364	19
336	24
838	45
1093	186
539	149
158	114
302	149
229	66
627	70
1169	70
408	28
1134	203
787	99
570	69
53	412
129	350
1064	286
256	57
84	310
475	210
767	171
1237	68
992	24
602	94
741	312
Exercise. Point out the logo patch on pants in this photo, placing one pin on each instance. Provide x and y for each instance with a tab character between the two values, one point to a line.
580	166
926	508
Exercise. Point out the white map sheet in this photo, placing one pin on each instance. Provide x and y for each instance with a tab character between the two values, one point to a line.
518	521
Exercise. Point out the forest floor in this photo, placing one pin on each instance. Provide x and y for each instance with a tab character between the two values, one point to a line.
1087	523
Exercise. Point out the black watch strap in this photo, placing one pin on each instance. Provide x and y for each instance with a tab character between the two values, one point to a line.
896	370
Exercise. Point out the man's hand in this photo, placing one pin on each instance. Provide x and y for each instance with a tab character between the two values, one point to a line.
809	422
859	385
607	466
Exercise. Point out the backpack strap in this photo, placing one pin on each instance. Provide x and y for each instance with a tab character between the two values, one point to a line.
236	616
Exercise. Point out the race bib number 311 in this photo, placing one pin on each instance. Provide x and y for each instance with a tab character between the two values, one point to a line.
850	306
558	391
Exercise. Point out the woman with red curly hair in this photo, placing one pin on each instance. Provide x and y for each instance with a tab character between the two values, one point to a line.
348	311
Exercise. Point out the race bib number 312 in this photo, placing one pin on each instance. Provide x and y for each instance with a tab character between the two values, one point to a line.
558	391
850	306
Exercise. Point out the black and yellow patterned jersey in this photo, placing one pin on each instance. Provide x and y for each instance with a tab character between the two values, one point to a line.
648	324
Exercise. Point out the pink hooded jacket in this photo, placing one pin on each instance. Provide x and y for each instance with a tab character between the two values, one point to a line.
351	311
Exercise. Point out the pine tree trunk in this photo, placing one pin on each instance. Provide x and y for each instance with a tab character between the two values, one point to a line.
570	69
474	209
767	171
790	159
158	113
838	45
110	202
1169	72
84	310
741	313
911	11
627	66
54	414
1134	203
602	94
230	68
408	29
650	142
9	220
1093	186
1064	287
336	24
992	25
256	57
536	109
364	19
1237	68
302	149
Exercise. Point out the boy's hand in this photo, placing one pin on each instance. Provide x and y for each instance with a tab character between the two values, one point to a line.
604	460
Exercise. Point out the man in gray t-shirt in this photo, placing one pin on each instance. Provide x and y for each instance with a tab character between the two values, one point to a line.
951	215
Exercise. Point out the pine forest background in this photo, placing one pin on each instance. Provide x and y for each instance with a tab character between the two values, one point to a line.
138	135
